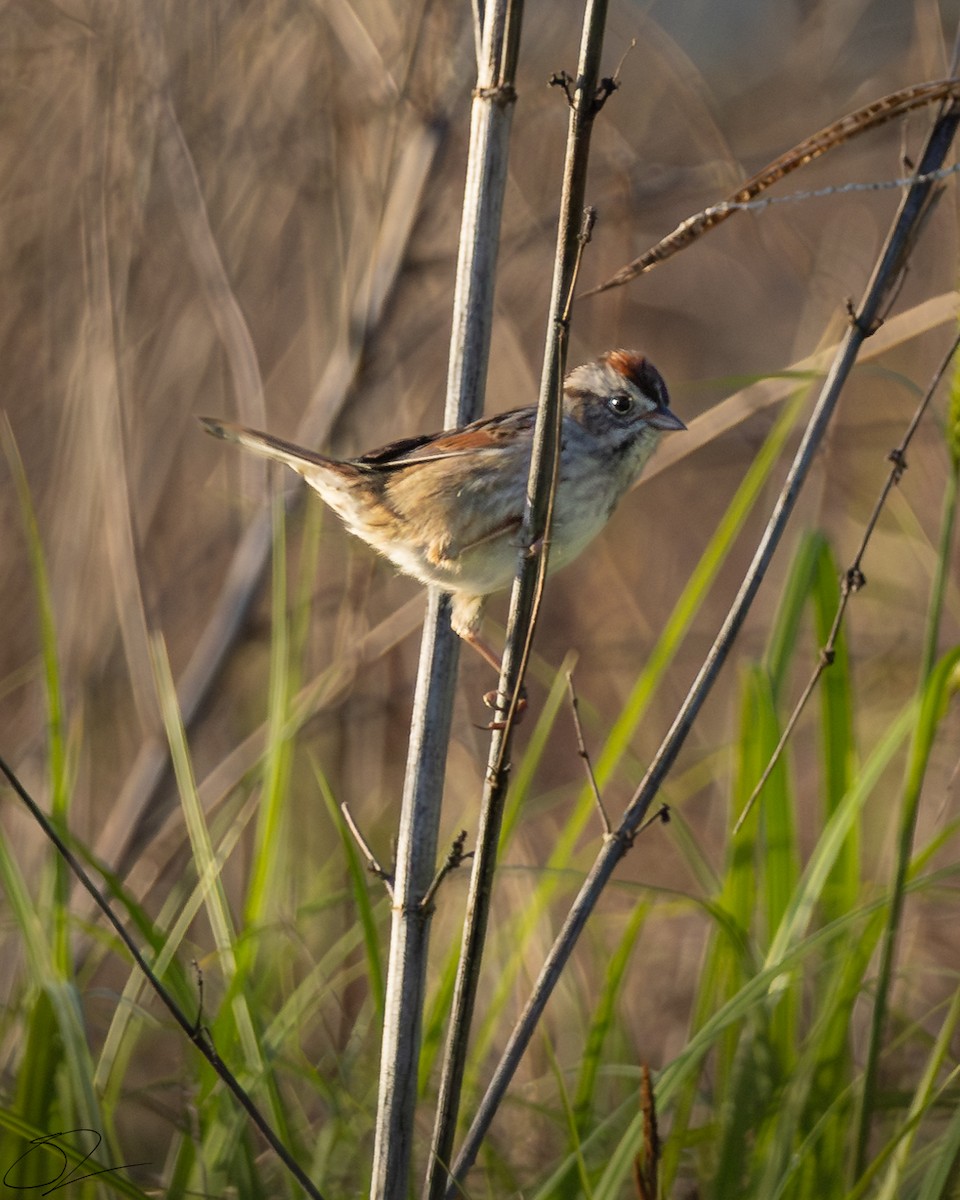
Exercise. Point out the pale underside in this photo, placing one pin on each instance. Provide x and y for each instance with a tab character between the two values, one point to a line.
484	505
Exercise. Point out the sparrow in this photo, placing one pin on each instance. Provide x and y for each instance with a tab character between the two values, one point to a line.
446	508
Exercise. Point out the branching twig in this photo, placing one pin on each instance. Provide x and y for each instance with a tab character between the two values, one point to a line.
195	1030
456	858
661	816
373	863
852	581
869	117
585	756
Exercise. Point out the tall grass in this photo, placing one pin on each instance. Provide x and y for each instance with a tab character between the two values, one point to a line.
759	973
760	1101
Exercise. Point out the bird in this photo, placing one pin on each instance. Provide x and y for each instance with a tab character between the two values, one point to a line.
446	508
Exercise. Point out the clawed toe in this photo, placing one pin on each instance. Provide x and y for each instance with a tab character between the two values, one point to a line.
500	703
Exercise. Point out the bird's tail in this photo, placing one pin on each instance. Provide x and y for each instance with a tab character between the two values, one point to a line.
265	444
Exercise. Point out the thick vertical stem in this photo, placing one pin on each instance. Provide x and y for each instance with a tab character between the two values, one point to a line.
409	934
430	728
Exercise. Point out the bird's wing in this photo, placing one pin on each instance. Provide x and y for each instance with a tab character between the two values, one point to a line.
490	433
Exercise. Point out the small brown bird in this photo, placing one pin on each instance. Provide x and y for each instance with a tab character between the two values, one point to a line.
447	507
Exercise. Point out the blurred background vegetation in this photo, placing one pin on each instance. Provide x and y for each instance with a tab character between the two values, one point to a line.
252	211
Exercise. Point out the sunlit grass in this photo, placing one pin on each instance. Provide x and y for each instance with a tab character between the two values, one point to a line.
761	1101
327	146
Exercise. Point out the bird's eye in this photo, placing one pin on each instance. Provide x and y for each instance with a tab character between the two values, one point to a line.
620	403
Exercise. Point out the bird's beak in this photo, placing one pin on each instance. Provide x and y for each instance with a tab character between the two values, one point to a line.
666	420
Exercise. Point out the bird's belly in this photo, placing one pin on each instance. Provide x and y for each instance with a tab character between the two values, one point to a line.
491	566
581	510
483	569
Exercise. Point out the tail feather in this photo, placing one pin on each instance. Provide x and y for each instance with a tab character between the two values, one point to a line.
265	444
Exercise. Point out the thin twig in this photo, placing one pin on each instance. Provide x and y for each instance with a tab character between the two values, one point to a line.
194	1030
456	858
869	117
853	579
541	547
866	1100
623	58
910	211
660	816
833	189
585	756
373	863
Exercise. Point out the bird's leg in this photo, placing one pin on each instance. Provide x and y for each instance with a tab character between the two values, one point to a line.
495	699
466	619
484	649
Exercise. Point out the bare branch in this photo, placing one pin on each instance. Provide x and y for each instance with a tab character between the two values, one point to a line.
472	319
585	755
572	236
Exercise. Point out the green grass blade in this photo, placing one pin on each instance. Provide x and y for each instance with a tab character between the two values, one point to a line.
785	634
940	687
267	872
57	756
939	1180
894	1182
603	1018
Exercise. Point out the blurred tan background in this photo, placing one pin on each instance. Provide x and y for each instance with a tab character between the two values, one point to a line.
252	211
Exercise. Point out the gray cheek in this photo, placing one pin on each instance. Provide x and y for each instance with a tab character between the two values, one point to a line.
597	420
618	433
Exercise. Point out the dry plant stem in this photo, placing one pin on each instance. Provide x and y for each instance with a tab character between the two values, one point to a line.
585	756
491	118
414	873
646	1165
883	279
879	112
494	100
194	1030
852	581
373	863
534	541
